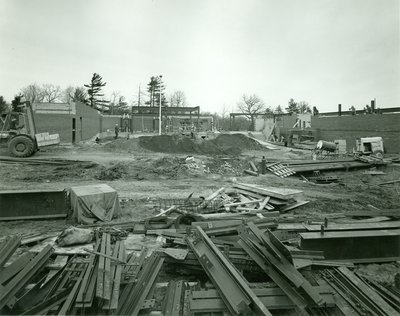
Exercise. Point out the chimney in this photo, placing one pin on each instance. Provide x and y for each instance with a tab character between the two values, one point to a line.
340	109
373	106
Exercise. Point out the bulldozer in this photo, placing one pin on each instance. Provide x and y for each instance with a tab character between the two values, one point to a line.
18	130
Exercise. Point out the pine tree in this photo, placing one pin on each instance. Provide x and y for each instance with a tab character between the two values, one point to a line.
292	107
278	110
94	92
153	88
3	105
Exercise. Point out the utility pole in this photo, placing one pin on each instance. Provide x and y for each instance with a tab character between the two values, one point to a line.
159	110
139	97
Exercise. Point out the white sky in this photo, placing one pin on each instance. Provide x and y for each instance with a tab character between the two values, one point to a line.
322	51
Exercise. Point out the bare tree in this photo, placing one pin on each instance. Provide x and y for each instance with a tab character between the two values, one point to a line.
115	95
33	93
51	93
178	99
74	94
224	111
67	94
118	103
251	105
304	107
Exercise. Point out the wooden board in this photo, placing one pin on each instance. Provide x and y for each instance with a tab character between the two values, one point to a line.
292	206
71	250
280	193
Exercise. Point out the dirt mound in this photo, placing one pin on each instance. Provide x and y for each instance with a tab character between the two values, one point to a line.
145	169
224	144
114	172
123	145
237	140
49	173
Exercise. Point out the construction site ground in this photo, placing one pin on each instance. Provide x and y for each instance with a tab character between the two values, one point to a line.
143	177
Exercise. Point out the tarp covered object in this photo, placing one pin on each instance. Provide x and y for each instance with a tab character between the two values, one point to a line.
91	203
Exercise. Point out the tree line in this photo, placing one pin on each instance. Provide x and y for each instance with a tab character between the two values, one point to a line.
92	95
252	105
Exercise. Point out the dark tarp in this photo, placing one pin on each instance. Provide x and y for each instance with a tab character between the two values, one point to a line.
92	203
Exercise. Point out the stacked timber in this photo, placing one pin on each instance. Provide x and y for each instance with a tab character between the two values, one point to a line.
339	164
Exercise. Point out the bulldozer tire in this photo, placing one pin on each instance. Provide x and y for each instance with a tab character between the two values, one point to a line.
21	146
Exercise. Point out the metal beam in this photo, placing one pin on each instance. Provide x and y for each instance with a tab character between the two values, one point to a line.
273	298
360	244
298	301
283	265
137	293
235	291
23	277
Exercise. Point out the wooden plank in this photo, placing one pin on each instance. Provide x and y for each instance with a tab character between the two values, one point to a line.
253	166
292	226
248	193
389	182
292	206
213	195
280	193
264	203
244	203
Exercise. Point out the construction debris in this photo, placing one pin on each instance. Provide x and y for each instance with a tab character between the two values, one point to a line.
389	182
277	168
235	251
337	164
280	169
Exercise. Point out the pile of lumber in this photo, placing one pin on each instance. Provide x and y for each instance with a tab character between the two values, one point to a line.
278	168
338	164
240	201
272	198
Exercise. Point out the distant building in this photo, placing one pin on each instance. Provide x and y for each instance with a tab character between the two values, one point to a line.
74	122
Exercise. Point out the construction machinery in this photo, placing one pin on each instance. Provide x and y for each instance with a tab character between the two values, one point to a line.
324	149
370	146
18	130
